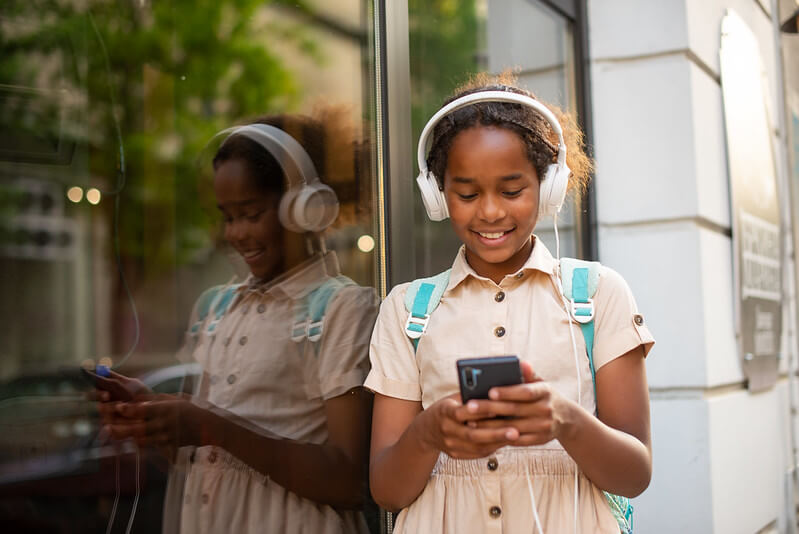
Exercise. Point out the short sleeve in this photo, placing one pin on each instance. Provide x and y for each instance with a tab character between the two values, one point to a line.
619	326
395	372
344	350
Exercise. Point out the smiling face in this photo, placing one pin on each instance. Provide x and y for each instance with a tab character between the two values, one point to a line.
251	219
491	188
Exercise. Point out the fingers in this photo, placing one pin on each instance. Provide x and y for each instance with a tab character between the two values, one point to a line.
530	392
146	422
97	395
145	433
461	441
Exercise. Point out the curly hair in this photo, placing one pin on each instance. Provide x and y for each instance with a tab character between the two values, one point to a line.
534	130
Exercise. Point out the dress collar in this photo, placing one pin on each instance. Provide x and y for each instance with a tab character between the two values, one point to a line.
297	281
540	259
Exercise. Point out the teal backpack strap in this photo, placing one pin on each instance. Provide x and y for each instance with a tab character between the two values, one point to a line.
213	301
309	313
421	298
580	279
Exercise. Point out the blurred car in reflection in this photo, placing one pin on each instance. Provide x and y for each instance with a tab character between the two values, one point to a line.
51	450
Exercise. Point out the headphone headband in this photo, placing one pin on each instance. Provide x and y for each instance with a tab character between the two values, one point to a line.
553	184
488	96
290	155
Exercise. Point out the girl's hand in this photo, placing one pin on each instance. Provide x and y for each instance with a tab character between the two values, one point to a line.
165	422
444	426
534	409
117	387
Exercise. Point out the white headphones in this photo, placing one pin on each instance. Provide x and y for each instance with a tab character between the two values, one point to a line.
308	205
555	180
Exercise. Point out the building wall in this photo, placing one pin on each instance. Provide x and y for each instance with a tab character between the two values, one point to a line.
662	190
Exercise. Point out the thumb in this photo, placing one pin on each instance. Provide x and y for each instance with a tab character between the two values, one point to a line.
117	376
528	375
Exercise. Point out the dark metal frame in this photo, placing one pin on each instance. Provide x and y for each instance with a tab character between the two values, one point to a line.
397	172
393	87
576	11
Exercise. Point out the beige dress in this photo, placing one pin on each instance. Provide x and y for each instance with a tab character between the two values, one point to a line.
490	495
254	369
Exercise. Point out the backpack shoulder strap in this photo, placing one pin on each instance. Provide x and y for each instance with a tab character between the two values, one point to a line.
580	279
214	300
421	299
310	312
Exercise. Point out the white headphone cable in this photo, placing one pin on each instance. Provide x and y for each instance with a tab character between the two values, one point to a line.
138	492
116	498
118	491
532	501
576	360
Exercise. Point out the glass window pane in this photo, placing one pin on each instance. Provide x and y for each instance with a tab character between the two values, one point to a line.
450	41
137	233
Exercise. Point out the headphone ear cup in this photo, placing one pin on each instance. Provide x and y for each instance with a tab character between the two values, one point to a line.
286	210
553	188
433	198
315	207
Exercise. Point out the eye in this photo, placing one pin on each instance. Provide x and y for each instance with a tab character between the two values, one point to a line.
512	194
253	217
467	197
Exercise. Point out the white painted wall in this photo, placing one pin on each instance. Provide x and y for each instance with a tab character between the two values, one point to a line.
662	191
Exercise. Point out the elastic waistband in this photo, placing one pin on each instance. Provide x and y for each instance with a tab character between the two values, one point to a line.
216	458
509	461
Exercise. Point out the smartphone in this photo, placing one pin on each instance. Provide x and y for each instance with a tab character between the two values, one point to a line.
478	375
117	390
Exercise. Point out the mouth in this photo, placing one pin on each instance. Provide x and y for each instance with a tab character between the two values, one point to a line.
251	256
493	238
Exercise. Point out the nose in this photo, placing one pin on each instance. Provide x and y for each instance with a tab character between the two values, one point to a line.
234	230
491	208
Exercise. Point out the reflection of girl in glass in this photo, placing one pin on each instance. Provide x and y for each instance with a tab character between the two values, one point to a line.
541	465
274	440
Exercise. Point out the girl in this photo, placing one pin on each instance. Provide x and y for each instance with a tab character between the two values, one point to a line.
455	468
275	438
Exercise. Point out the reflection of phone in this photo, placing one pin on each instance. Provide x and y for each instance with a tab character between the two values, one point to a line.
114	387
478	375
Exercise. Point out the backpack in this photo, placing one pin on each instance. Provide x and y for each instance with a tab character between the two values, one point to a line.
580	280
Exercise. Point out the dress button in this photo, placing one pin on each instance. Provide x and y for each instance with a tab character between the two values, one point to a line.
499	297
492	464
495	511
212	457
499	331
206	498
638	319
243	340
231	379
261	308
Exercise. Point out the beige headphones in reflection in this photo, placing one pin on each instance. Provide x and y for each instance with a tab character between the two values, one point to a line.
553	185
308	205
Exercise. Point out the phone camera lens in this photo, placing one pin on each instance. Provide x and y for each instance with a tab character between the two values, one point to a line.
468	373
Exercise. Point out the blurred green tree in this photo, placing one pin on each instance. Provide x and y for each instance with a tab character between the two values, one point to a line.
143	85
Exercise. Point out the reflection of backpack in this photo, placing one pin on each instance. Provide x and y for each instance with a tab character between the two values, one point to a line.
309	311
580	279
